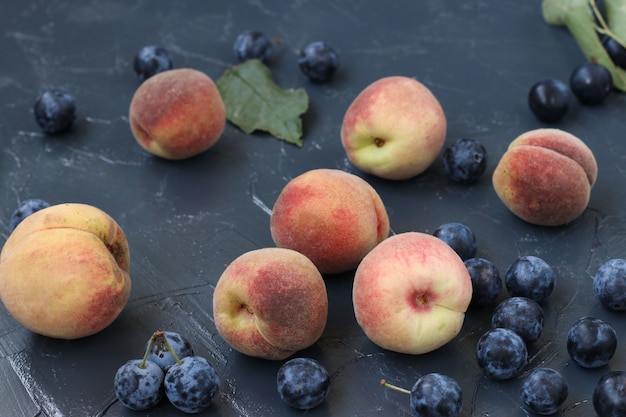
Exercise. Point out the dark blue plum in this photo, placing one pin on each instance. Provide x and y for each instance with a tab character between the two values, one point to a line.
486	281
530	277
464	161
151	60
55	111
609	284
609	395
549	100
252	44
25	209
160	354
616	51
591	83
501	354
459	237
139	385
191	385
544	390
522	315
318	61
436	395
303	383
591	342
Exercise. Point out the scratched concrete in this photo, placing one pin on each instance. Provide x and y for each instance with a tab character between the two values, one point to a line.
186	220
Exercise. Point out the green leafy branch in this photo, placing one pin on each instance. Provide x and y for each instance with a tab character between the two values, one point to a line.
584	20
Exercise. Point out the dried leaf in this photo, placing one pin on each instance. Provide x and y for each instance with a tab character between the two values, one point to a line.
254	102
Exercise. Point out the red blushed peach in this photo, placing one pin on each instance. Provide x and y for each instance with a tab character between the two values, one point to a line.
410	293
270	303
394	128
333	217
64	271
545	177
177	114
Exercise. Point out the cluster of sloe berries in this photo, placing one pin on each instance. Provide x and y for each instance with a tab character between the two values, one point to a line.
591	83
517	323
169	368
318	61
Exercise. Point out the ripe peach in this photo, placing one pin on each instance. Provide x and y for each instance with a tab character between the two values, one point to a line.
394	128
270	303
410	293
333	217
545	177
177	114
64	271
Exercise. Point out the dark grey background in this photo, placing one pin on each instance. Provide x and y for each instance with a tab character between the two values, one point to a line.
186	220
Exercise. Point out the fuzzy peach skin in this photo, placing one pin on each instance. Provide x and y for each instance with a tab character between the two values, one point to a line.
545	177
333	217
64	271
394	129
270	303
410	293
177	114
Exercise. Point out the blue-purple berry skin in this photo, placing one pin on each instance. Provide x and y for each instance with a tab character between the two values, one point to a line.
501	354
303	383
25	209
543	391
191	385
591	83
486	281
609	284
609	395
160	354
522	315
151	60
55	111
318	61
464	161
139	387
616	51
252	44
549	100
591	342
436	395
459	237
531	277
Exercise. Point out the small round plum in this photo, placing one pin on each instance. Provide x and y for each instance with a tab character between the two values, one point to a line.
544	390
609	284
436	395
609	394
459	237
486	281
522	315
191	384
591	342
138	384
531	277
303	383
501	353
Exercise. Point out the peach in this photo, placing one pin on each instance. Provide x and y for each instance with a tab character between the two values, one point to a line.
333	217
177	114
411	292
270	303
545	177
64	271
394	129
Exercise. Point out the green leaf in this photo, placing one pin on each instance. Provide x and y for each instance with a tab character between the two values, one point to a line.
254	102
